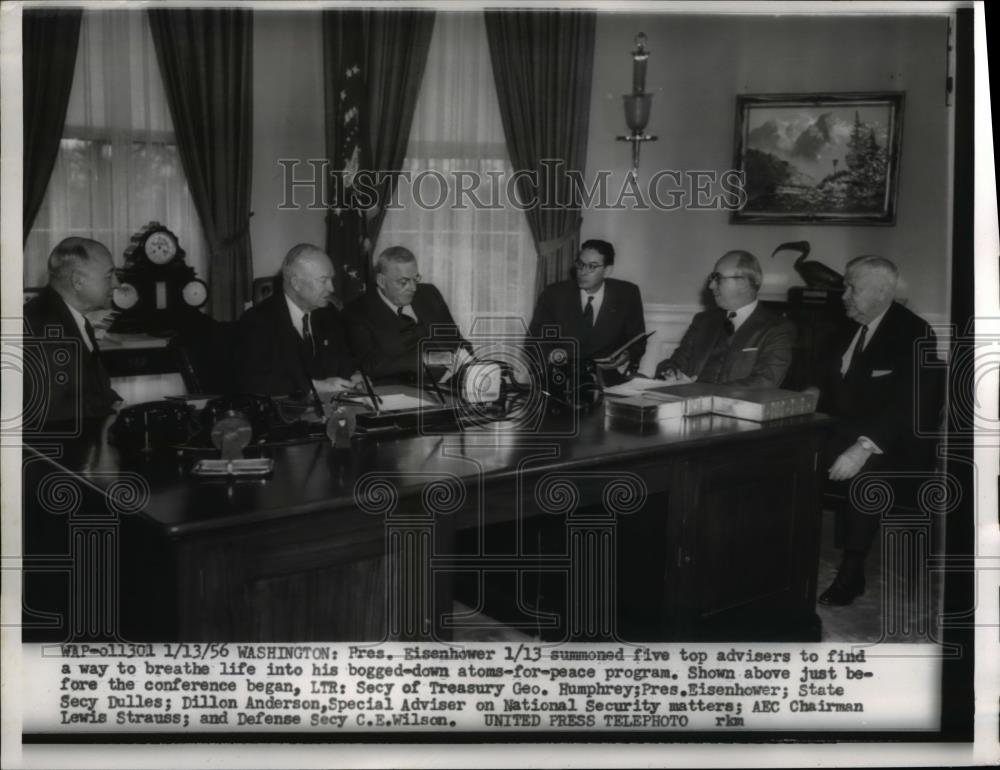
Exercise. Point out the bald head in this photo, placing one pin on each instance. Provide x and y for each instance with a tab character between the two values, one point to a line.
307	273
82	271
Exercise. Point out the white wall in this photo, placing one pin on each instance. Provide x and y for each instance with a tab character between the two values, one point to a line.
288	123
698	65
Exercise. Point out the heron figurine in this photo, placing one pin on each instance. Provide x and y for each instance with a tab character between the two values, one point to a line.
815	274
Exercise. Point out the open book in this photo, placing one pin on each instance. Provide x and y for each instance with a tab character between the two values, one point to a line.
612	356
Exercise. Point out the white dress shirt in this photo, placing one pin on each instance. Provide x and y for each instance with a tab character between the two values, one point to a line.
297	315
82	323
598	301
742	314
407	309
872	325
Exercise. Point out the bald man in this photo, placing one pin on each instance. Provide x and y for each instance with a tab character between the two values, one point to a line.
880	386
73	384
739	341
295	339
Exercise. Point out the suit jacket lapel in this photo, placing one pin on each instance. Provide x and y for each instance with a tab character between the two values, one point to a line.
757	319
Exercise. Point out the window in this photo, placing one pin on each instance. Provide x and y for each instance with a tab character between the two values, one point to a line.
483	260
118	165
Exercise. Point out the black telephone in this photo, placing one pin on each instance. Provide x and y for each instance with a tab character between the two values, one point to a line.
154	426
259	410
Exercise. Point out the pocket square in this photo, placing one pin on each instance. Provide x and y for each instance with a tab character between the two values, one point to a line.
749	350
881	372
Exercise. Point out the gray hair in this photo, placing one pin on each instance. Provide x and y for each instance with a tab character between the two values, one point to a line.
886	268
393	255
297	253
69	253
748	266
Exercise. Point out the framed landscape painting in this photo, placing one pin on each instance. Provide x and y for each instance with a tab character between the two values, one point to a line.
819	158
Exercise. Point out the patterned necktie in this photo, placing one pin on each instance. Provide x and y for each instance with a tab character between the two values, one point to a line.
307	335
859	348
728	324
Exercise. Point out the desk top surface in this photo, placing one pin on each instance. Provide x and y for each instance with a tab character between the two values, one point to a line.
312	476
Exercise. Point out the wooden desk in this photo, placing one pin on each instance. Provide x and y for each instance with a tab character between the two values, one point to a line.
707	528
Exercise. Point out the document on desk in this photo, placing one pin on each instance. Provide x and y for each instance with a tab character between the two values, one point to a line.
633	387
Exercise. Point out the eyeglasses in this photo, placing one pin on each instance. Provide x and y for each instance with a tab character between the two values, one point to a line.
587	267
402	283
717	277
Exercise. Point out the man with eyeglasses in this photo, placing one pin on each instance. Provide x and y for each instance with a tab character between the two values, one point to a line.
600	312
295	341
75	384
739	341
403	325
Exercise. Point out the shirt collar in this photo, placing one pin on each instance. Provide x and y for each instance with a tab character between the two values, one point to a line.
743	313
406	309
597	295
296	313
81	322
873	324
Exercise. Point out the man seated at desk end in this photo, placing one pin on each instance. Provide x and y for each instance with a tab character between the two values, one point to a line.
81	278
295	339
403	324
738	342
600	312
877	385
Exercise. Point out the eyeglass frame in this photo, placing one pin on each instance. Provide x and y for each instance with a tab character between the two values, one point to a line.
402	283
588	267
717	277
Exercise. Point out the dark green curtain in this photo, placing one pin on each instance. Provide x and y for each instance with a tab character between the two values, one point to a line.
206	59
49	41
543	63
374	62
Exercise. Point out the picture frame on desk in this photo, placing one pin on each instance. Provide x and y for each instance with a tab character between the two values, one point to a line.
819	158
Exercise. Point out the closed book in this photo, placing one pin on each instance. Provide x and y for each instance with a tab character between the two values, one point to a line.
762	404
645	408
697	396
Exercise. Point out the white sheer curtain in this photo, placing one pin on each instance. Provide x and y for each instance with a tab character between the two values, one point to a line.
483	261
118	166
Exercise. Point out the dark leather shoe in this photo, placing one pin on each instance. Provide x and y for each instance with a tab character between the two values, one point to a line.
842	591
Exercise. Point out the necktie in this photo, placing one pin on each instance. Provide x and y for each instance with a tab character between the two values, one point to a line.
307	336
859	348
88	327
588	314
728	323
405	319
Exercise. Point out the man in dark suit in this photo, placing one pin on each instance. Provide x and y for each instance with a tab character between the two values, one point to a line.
599	312
295	339
738	342
74	384
402	324
875	384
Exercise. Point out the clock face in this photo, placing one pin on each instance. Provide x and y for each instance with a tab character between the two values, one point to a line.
125	296
195	293
160	248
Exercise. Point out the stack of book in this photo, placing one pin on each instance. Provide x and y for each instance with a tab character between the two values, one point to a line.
645	409
670	401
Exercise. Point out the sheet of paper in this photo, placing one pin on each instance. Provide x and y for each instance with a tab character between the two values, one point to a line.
395	401
634	387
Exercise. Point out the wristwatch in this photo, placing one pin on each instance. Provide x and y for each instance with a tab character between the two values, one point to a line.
866	444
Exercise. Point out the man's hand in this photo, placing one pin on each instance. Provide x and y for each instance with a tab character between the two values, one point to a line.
615	363
850	462
357	379
665	370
